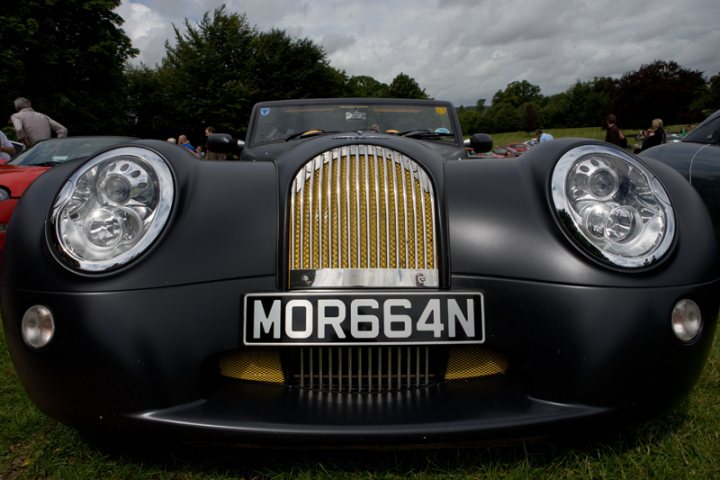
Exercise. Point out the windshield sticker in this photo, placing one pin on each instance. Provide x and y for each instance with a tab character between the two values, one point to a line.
265	111
441	110
356	115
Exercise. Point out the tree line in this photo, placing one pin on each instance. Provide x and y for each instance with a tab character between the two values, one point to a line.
658	90
71	59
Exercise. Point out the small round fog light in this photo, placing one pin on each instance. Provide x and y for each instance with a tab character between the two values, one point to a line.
686	320
38	326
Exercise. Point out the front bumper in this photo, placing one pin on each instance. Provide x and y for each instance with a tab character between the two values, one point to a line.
146	359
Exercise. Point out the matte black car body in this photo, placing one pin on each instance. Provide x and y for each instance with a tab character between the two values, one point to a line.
146	346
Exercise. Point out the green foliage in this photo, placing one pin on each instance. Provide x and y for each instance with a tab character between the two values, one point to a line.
709	100
403	86
219	69
362	86
517	94
68	58
659	90
205	78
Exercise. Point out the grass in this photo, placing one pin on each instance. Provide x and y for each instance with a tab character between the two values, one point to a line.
595	133
682	444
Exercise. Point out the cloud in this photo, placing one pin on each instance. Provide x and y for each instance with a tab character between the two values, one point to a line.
463	50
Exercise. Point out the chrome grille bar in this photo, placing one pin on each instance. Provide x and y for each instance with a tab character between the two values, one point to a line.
363	369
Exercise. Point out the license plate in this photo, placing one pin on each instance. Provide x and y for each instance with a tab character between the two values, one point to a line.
372	318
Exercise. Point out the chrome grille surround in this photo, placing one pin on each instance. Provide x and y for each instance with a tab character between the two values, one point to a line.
362	216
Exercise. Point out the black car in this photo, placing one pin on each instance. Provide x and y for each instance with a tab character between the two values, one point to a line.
697	158
357	279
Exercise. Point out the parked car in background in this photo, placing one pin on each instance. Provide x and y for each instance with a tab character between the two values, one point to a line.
518	147
355	279
511	149
697	158
19	147
24	168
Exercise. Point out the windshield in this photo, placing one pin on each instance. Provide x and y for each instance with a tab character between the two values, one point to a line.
284	122
59	150
709	132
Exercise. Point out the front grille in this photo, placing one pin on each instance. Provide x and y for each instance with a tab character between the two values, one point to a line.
364	369
367	208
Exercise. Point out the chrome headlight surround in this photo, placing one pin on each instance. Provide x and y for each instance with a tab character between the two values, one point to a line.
112	209
613	206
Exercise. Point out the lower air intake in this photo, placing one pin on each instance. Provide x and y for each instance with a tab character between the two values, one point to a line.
365	369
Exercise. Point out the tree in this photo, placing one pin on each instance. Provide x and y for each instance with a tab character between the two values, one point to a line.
588	103
517	94
148	104
659	90
363	86
292	68
504	118
207	76
530	117
218	69
68	58
404	86
709	101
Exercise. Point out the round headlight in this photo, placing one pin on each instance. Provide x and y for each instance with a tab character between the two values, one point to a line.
613	206
112	209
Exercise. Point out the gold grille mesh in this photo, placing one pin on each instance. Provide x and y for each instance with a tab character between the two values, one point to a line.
260	365
362	206
472	361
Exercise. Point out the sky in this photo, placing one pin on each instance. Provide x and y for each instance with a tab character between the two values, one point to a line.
464	50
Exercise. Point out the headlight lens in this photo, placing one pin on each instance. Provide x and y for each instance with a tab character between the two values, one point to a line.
613	206
112	209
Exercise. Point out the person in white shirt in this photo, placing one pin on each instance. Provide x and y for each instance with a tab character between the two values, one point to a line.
7	150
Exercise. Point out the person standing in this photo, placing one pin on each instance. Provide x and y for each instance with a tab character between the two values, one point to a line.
613	134
31	126
543	137
210	155
7	150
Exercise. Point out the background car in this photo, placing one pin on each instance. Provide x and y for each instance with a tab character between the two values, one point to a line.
24	168
697	158
511	150
673	138
518	147
19	147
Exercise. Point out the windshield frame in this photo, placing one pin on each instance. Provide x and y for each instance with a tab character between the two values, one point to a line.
342	115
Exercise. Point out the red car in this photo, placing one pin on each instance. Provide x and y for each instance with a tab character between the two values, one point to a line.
511	150
17	175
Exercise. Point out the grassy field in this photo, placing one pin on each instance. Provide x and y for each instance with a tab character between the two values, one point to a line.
682	444
595	133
